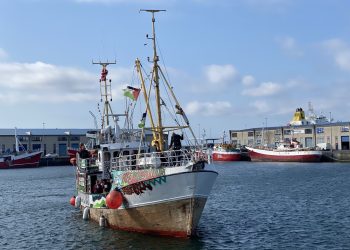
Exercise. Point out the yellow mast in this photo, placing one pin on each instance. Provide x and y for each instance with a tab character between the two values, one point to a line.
159	140
143	86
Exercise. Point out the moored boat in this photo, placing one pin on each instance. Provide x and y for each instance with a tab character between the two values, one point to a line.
139	186
285	152
226	152
20	159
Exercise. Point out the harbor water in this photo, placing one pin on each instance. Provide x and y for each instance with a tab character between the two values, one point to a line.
252	206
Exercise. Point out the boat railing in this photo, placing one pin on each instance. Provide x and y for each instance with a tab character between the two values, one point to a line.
171	158
88	164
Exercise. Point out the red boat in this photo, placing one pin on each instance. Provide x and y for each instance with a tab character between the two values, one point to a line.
226	152
72	152
20	160
285	153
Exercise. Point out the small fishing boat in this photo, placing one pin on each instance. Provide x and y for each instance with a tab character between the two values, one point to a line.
226	152
142	186
20	159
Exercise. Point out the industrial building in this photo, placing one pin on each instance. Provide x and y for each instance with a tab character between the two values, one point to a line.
53	141
50	141
331	136
309	131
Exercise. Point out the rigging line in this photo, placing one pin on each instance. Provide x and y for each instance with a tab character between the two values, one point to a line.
163	59
150	86
170	100
171	115
171	103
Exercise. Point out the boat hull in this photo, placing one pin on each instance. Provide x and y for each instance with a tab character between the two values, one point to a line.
26	160
171	207
173	218
226	156
284	156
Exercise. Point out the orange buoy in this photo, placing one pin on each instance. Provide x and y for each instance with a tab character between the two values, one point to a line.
114	199
72	201
73	161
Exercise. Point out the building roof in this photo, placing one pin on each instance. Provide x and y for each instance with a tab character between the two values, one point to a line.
294	126
46	131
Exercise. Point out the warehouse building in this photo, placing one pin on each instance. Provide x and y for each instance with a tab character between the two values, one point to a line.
51	141
309	131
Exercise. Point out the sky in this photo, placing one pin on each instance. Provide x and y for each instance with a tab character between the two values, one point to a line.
233	64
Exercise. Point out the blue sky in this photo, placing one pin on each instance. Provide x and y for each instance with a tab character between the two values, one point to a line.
234	64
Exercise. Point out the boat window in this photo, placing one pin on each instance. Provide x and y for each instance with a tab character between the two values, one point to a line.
115	154
126	152
107	156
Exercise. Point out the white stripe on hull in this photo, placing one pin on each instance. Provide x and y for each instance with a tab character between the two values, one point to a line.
285	152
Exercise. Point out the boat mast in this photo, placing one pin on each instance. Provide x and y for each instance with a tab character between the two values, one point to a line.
159	141
106	93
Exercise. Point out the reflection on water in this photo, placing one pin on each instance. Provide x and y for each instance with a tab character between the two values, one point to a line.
252	205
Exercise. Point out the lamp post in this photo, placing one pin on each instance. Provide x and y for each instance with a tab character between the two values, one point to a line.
42	140
330	122
29	133
68	133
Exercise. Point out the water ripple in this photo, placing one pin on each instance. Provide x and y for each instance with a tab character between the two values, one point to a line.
252	206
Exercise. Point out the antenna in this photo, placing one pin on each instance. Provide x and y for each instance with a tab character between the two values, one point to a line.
152	11
106	92
158	141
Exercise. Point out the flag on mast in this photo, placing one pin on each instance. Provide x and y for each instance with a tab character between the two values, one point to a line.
131	92
143	120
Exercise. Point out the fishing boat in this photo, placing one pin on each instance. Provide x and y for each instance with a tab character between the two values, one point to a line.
20	159
226	152
285	152
142	186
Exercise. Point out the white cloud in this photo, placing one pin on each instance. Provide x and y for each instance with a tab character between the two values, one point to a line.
289	45
248	80
42	82
260	106
208	108
340	51
264	89
3	54
220	75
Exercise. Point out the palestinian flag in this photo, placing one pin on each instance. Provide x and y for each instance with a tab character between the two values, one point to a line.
143	120
132	93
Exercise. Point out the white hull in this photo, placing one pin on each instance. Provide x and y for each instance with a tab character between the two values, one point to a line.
292	155
175	200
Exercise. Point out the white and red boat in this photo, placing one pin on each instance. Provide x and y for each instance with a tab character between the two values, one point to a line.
20	159
285	152
136	185
226	152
